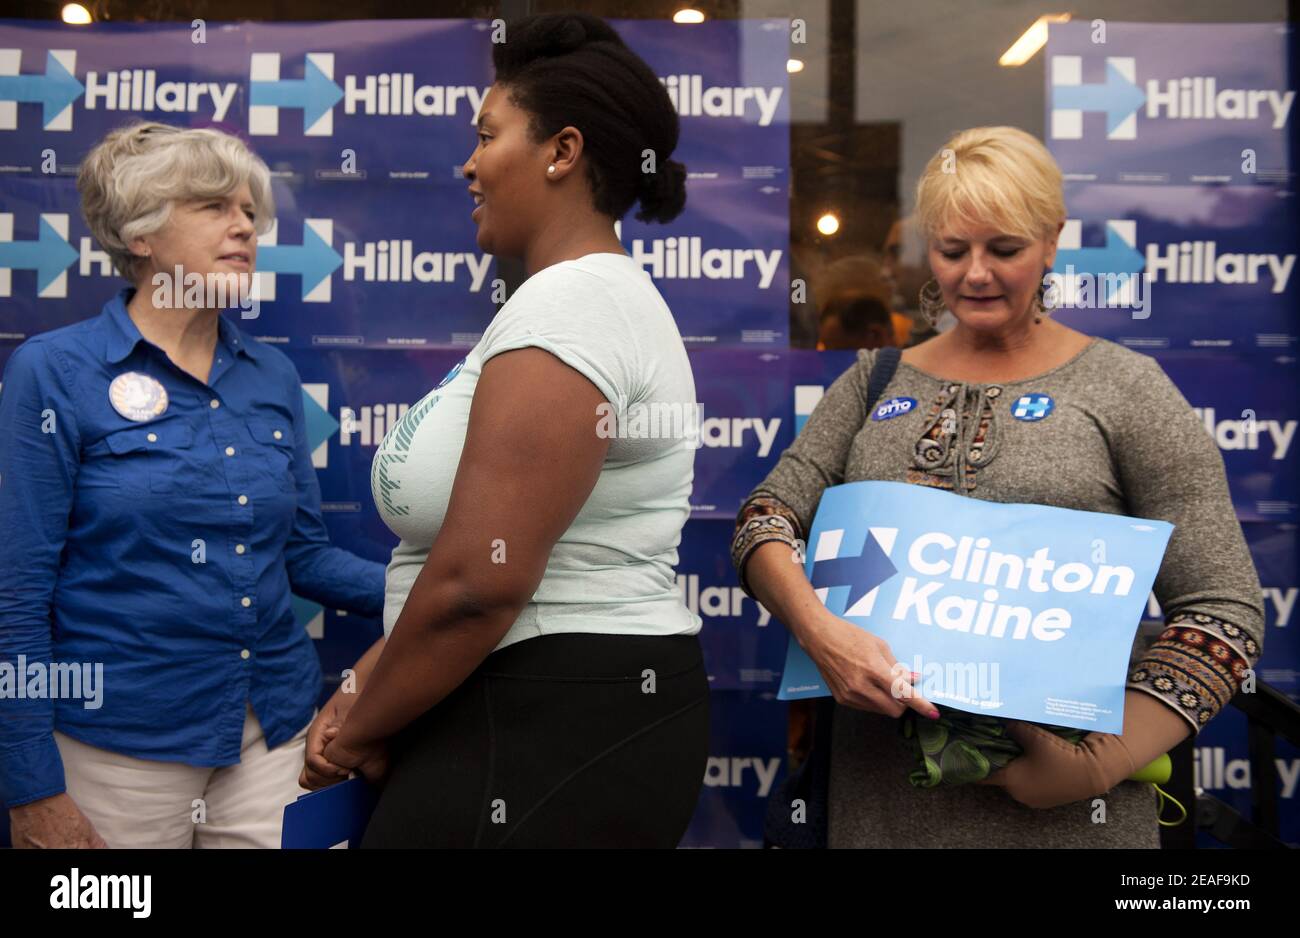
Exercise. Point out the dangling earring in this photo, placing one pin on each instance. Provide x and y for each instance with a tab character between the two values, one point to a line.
931	302
1040	299
550	170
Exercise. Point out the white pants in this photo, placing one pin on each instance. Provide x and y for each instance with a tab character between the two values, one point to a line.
142	803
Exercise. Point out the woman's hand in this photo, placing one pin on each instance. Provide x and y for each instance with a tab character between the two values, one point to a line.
317	771
54	822
1053	771
369	760
861	671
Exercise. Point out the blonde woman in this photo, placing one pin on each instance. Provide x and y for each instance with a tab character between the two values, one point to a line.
1108	432
159	504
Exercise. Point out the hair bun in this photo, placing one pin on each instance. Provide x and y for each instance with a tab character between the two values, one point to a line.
663	193
548	36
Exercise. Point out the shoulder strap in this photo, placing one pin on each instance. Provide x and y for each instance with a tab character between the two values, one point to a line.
882	372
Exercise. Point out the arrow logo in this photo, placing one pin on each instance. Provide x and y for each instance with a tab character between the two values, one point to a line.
862	573
315	93
54	91
1118	97
308	615
314	260
49	255
321	424
1119	256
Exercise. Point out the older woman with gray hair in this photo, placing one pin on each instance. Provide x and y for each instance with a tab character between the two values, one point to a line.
159	504
1012	406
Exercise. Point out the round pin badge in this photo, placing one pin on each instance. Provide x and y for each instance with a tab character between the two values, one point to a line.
137	397
894	407
1031	407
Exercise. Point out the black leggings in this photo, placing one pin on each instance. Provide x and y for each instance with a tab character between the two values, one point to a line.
555	742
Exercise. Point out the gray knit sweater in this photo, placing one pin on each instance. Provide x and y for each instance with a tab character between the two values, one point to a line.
1120	439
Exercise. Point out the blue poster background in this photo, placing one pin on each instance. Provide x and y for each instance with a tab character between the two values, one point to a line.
365	126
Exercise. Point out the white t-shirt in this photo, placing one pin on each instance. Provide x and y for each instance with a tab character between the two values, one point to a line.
612	570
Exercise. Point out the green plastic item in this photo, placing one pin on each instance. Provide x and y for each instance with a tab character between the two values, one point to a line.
1157	772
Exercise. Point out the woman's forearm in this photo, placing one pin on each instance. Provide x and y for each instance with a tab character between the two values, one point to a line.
437	642
775	575
1151	729
365	665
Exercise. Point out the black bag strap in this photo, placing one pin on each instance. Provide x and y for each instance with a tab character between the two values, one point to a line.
882	372
811	782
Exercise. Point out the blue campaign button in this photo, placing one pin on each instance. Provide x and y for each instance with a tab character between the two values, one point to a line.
1031	407
894	407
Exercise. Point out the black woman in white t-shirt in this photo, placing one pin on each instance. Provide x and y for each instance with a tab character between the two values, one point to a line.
540	682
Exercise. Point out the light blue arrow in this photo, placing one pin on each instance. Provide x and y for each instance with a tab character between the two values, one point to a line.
315	93
49	255
1117	257
1118	97
313	259
320	424
55	90
304	610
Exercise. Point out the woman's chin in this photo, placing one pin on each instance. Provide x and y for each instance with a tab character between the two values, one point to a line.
985	320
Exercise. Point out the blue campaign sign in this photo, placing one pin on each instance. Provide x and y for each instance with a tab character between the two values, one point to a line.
371	101
1274	548
1020	611
1252	421
728	81
1170	103
336	272
744	646
1221	766
1179	267
754	404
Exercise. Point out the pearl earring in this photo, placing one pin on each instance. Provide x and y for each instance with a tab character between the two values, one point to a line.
550	170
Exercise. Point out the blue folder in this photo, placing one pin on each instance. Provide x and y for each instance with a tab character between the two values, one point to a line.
323	819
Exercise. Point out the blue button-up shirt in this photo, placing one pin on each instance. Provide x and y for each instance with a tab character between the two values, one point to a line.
158	552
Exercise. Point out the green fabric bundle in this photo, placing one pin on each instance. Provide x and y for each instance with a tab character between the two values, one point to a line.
960	748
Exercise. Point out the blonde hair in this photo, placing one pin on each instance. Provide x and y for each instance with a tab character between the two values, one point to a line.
132	178
995	176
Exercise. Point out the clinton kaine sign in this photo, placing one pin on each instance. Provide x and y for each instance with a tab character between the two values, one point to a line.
1020	611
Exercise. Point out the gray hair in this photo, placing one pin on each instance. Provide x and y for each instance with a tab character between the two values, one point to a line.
132	178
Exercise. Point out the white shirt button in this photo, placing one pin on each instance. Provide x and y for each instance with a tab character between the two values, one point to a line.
239	548
152	438
245	602
244	654
230	451
243	499
278	435
214	403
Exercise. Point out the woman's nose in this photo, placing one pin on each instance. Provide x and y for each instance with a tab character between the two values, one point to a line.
978	271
